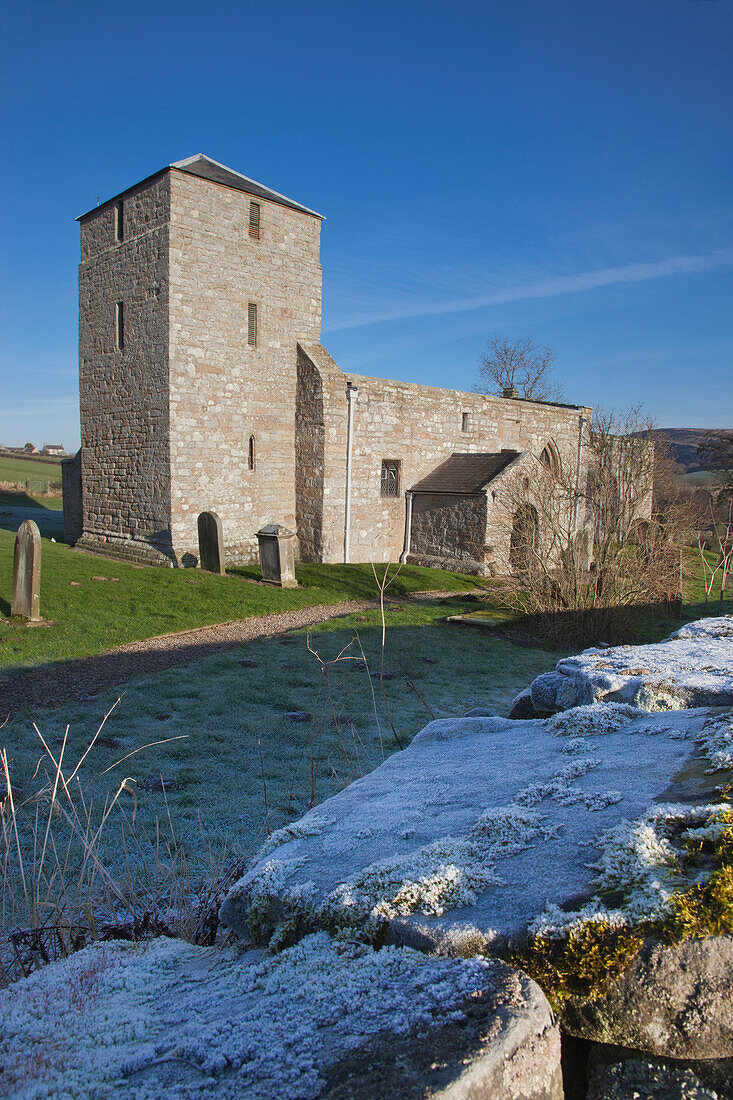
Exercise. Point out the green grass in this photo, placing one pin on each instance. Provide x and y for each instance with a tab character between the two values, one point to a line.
222	709
24	469
14	498
92	616
699	477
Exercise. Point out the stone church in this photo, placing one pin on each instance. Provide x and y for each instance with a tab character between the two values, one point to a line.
204	387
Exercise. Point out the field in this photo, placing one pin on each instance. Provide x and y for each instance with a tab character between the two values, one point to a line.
26	469
217	754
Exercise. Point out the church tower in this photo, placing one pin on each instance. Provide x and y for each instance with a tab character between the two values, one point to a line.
195	287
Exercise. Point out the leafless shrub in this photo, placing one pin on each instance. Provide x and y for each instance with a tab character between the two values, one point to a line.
587	553
716	553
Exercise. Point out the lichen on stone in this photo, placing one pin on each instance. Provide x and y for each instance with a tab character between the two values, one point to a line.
593	720
449	873
657	697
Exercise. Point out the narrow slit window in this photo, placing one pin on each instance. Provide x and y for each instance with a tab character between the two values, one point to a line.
119	222
251	453
252	324
391	477
254	220
465	422
120	325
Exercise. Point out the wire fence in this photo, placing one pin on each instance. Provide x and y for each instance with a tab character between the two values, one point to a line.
31	487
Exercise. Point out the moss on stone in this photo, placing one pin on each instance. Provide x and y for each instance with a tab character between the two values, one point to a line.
580	964
583	961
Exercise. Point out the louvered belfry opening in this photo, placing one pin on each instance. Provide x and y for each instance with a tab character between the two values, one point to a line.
254	220
252	324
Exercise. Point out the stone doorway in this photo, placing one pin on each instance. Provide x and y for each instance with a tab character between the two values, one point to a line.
525	538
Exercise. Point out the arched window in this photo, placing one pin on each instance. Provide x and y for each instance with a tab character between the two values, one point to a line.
251	453
550	458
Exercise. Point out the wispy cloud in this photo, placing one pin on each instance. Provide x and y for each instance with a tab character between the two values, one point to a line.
551	287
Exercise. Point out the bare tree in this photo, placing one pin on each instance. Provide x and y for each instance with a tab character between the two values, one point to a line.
587	554
518	364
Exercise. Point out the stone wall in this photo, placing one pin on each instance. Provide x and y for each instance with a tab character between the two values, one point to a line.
418	426
322	431
168	419
309	459
223	390
123	393
71	491
447	528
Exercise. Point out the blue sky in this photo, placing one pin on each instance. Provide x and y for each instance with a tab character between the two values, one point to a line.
546	167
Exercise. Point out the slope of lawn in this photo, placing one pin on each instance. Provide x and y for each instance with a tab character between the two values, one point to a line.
96	604
263	731
25	469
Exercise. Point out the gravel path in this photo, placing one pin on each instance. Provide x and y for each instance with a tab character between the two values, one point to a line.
53	684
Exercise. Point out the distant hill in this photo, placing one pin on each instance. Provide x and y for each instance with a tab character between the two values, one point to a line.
683	444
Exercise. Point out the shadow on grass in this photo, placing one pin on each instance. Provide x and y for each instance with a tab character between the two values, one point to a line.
576	629
354	581
17	499
18	506
49	685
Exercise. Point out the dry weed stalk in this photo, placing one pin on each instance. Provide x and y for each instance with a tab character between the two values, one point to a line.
61	884
352	651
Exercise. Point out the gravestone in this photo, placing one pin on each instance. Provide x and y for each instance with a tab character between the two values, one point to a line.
211	543
27	572
277	556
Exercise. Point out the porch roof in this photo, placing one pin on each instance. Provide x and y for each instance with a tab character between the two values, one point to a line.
465	473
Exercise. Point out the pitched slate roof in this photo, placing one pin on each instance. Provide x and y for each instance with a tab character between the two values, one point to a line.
465	473
208	169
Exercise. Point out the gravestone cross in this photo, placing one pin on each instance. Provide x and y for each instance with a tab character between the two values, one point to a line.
211	542
27	572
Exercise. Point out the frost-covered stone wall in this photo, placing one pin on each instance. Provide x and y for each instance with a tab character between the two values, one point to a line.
693	667
324	1018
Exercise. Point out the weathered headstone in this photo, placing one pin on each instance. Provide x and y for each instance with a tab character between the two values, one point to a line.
27	572
211	542
277	556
